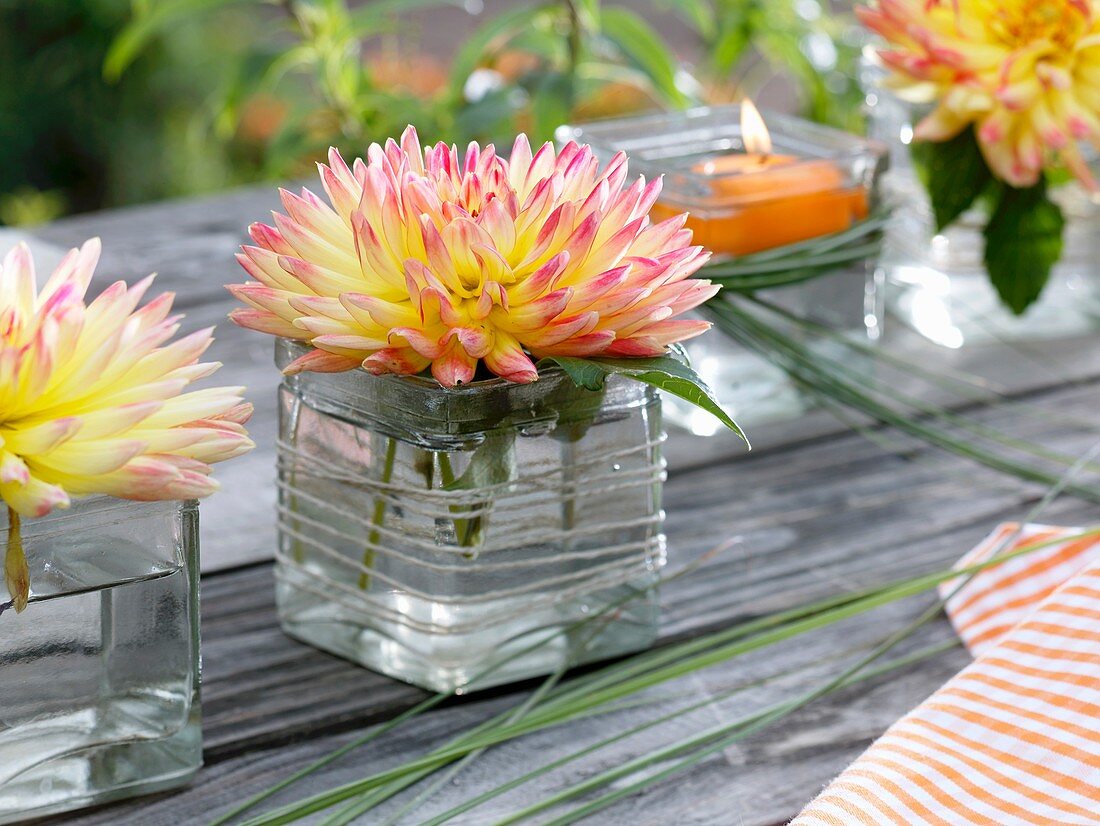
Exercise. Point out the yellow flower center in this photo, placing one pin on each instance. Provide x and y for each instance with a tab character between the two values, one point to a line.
1022	23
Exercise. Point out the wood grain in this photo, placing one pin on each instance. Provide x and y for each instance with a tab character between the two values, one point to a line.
761	780
820	519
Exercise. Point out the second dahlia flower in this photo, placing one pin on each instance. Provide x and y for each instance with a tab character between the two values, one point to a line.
420	260
92	397
1026	73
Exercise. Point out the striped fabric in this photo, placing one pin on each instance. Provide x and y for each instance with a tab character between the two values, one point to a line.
1015	737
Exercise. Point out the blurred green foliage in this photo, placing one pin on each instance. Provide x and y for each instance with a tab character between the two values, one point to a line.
121	101
801	39
530	68
71	141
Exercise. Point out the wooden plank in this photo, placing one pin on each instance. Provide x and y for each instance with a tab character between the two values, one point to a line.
189	242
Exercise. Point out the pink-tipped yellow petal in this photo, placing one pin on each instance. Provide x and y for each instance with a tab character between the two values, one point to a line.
87	390
507	360
455	366
318	361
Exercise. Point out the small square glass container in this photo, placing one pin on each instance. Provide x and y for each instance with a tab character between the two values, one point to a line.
937	282
818	181
99	674
815	181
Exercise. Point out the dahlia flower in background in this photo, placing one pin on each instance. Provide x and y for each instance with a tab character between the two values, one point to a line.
92	397
1016	88
1025	73
421	261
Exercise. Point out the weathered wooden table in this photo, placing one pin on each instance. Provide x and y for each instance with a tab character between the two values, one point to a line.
815	510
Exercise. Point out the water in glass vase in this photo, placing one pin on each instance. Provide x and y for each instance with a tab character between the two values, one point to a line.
470	537
99	674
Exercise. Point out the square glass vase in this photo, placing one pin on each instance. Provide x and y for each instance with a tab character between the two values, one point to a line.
462	538
752	389
677	146
936	283
99	674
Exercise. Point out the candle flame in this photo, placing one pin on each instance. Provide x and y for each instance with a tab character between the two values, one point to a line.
754	133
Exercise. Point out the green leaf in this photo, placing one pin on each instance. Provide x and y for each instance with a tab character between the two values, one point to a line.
370	18
589	12
664	372
729	49
697	13
488	117
643	48
147	24
1023	241
1058	176
954	172
294	58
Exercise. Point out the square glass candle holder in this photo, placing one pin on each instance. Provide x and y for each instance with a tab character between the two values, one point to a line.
936	283
99	674
461	538
815	181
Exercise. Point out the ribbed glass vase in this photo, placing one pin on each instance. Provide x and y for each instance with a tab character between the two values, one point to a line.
99	675
461	538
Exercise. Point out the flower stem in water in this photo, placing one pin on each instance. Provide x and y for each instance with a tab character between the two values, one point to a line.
379	515
16	572
464	528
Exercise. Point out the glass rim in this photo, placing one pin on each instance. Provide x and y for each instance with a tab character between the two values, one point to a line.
655	141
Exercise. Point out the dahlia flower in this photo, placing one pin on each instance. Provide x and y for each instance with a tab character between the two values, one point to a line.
419	260
1026	73
91	397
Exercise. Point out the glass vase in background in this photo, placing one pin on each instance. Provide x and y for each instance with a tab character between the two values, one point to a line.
848	300
830	173
936	282
99	674
461	538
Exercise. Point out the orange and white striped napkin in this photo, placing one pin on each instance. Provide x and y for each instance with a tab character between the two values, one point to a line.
1015	736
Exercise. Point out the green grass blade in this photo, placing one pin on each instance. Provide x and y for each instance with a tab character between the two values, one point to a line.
369	801
704	744
577	684
732	271
811	369
591	701
359	742
472	803
740	729
908	367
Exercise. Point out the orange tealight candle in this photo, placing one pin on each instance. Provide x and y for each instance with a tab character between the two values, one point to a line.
761	200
